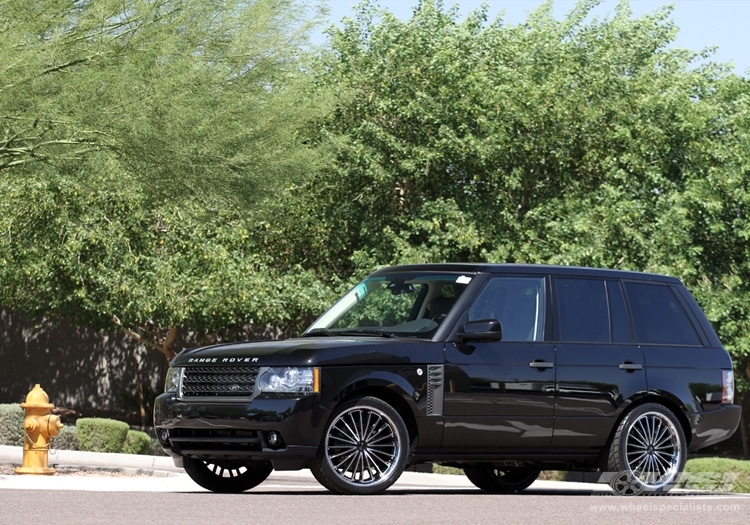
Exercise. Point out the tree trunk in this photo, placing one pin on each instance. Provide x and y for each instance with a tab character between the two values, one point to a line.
139	388
153	340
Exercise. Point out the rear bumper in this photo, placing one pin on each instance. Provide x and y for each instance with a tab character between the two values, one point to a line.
714	426
239	431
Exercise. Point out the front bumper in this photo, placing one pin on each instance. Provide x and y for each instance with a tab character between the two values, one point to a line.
239	431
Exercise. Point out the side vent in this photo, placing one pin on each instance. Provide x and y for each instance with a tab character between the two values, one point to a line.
435	389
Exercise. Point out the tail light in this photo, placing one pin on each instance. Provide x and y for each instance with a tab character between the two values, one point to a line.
727	387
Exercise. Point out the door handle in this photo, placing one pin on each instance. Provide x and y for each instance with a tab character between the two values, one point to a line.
539	364
630	367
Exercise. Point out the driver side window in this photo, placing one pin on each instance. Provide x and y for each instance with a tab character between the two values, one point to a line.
517	302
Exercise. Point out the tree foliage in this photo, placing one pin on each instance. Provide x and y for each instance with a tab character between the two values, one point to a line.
582	141
125	127
188	95
110	259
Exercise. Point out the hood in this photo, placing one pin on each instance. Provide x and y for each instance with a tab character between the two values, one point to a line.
311	351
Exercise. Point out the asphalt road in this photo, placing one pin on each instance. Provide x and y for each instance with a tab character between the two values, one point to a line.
294	499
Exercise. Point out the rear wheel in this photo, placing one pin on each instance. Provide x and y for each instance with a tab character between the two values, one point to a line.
364	449
501	481
648	451
226	476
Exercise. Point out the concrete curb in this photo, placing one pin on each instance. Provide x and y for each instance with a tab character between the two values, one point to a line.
14	456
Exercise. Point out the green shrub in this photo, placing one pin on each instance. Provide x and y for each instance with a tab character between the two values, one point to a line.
136	442
67	439
553	475
442	469
11	425
156	449
101	435
717	474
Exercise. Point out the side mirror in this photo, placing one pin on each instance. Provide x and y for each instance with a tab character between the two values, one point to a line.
485	330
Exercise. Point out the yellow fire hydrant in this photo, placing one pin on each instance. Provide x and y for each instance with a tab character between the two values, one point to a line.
39	426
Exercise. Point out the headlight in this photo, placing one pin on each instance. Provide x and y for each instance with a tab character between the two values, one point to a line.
290	379
174	375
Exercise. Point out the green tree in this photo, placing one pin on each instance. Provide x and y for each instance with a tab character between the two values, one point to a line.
577	141
107	257
188	95
126	123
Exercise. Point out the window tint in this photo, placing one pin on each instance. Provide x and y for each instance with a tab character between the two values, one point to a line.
658	316
582	310
517	302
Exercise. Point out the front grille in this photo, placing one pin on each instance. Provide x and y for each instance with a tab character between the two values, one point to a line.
219	381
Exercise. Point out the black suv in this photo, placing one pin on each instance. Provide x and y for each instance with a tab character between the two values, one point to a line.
501	370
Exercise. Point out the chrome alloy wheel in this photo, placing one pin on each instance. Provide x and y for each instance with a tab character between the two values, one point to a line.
363	446
653	450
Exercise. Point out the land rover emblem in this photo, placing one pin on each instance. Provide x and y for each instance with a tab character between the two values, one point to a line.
234	388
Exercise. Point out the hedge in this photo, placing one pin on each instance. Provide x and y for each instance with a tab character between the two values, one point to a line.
67	439
136	442
11	424
101	435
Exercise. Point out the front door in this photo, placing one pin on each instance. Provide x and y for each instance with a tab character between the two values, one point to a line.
499	395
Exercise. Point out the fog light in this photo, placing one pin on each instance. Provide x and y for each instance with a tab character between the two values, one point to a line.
164	436
275	441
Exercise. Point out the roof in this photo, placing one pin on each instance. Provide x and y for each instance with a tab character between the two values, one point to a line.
512	268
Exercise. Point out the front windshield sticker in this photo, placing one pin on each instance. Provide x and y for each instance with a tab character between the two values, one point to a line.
463	279
361	291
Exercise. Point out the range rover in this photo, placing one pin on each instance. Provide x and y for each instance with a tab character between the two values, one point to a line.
502	370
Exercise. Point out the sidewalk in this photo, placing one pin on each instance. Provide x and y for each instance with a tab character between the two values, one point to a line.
119	472
139	473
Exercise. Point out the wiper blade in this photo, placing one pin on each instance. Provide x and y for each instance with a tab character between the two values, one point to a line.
331	333
320	332
369	333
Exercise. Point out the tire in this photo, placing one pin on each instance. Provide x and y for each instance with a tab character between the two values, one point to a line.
226	476
501	481
648	451
364	448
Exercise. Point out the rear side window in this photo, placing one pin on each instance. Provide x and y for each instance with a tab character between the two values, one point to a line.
658	316
583	314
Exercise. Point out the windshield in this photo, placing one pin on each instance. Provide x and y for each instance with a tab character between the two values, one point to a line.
393	304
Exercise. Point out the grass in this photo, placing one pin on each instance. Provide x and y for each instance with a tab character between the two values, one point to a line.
717	474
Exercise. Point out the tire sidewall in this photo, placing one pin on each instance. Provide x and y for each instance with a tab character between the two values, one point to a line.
202	475
617	463
324	470
486	479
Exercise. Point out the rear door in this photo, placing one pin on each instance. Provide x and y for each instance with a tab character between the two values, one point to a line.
499	396
599	366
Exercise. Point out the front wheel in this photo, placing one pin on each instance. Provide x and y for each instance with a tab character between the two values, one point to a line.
226	476
648	451
364	449
501	481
